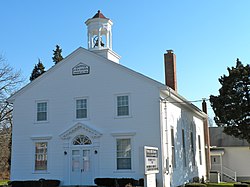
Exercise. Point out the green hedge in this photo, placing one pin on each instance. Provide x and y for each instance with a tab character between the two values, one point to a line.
121	182
32	183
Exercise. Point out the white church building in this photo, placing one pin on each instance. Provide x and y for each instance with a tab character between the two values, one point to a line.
90	117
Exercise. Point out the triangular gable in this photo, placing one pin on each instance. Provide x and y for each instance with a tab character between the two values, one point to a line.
103	59
162	88
80	127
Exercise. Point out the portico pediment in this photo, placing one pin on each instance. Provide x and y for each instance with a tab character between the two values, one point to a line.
80	128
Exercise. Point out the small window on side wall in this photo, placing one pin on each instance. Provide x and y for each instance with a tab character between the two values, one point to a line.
122	103
42	111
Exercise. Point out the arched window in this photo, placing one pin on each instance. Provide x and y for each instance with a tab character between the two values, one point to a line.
81	140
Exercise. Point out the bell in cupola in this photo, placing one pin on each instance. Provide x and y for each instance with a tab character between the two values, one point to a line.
99	32
100	36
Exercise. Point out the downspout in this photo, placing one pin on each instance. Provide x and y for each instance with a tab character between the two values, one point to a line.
165	163
162	144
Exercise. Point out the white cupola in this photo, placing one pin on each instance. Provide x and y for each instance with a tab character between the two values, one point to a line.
100	36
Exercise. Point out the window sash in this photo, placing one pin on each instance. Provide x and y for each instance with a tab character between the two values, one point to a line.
123	154
81	108
41	156
192	148
42	111
184	148
122	105
173	148
200	154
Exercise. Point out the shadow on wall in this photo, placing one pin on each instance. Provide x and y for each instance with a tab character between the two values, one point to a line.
186	148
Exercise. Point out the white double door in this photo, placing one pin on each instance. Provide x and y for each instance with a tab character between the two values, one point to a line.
81	166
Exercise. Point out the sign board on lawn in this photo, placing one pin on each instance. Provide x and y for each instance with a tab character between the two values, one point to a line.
151	160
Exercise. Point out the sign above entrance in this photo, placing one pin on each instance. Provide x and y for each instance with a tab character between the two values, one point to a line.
151	160
80	69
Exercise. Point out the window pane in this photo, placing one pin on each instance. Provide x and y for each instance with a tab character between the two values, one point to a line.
41	156
81	140
81	108
123	147
192	149
184	148
86	160
199	143
42	111
122	106
173	148
124	163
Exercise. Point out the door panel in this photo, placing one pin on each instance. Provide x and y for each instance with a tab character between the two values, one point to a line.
81	167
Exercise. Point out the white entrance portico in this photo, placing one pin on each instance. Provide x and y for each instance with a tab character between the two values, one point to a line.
81	147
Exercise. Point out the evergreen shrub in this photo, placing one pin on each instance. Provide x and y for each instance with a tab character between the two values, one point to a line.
121	182
39	183
105	182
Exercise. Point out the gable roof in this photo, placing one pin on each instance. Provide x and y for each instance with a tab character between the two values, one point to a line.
70	56
169	92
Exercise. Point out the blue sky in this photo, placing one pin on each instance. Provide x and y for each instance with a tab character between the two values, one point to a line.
206	35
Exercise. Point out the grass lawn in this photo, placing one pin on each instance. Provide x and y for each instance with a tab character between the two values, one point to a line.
223	184
3	182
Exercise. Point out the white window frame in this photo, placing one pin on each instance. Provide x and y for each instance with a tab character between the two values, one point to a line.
123	135
75	108
124	157
45	139
116	106
47	111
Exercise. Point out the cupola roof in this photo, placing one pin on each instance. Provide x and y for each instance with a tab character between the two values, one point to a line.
99	15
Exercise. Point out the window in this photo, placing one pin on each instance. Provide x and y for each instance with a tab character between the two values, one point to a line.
192	148
123	105
123	154
81	108
42	111
184	149
81	140
199	142
173	148
41	156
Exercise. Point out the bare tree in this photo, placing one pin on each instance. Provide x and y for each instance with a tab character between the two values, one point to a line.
10	81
